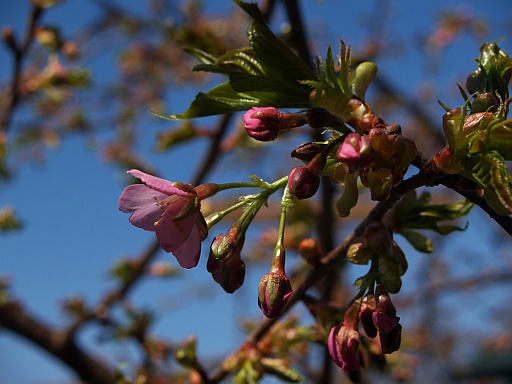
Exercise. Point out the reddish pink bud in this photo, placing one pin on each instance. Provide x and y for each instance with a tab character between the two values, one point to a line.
310	250
274	291
230	275
354	151
387	322
343	341
368	307
343	345
262	123
303	182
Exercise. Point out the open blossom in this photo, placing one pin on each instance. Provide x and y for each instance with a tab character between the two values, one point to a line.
172	210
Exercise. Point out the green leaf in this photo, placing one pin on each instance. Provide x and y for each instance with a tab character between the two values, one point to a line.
490	170
349	196
420	242
389	271
266	74
271	51
414	212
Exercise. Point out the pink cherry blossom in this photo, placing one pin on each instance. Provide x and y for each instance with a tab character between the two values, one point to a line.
172	210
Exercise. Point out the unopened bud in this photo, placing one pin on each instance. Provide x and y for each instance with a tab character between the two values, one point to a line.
303	182
230	275
8	37
318	117
262	123
390	342
354	151
222	249
371	121
265	123
343	345
307	152
310	250
368	306
274	291
387	322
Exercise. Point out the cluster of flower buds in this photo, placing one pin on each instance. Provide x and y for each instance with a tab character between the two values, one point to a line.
378	317
225	262
379	156
387	258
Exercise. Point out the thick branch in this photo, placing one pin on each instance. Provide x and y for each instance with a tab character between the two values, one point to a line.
89	369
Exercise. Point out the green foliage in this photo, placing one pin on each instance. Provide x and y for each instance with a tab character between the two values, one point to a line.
481	142
414	213
493	72
336	86
267	73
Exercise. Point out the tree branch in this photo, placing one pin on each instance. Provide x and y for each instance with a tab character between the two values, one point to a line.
89	369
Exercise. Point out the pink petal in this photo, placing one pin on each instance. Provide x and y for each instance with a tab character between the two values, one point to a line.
334	348
161	185
190	251
140	200
172	234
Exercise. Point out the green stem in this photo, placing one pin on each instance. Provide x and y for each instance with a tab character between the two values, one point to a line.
278	257
214	218
254	206
243	184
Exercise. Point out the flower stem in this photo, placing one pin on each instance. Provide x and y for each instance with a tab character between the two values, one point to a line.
278	257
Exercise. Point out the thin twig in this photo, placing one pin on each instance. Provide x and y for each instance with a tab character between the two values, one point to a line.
20	52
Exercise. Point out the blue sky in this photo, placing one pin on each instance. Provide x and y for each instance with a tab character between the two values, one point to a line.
73	231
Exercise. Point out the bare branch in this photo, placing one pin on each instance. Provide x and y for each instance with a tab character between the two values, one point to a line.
55	342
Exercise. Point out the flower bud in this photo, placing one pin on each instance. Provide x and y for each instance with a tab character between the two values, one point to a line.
224	261
368	307
354	151
9	38
307	151
343	341
387	322
310	250
262	123
303	182
274	291
265	123
231	274
222	249
390	342
343	344
318	117
371	121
